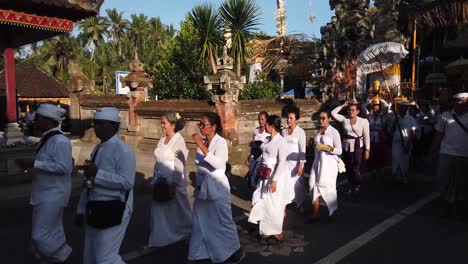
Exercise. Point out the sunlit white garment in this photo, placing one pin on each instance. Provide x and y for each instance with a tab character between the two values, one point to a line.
50	192
116	175
296	145
214	233
401	155
324	171
268	207
171	221
360	129
253	164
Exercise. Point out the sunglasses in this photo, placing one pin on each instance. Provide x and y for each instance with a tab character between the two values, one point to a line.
202	126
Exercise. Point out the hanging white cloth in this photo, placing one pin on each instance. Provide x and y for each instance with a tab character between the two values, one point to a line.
214	233
116	164
171	221
268	207
324	171
296	147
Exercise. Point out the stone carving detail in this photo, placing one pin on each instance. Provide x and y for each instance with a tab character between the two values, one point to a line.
225	84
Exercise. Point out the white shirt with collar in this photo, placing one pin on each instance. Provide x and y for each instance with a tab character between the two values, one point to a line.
116	165
455	139
360	129
51	182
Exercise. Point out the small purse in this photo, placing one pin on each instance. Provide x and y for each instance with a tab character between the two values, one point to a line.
341	166
263	172
163	191
105	214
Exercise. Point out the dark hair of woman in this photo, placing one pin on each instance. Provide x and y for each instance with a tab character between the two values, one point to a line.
294	110
214	119
326	112
263	113
275	121
175	119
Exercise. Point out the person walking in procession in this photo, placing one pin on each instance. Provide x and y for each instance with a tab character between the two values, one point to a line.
108	204
271	196
259	137
324	171
295	138
451	138
171	215
356	140
214	233
51	186
404	133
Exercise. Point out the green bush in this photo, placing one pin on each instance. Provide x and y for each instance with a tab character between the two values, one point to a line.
264	88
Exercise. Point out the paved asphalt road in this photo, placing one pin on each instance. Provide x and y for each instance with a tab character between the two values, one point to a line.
386	224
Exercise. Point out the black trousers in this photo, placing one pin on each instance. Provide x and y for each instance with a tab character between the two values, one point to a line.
353	162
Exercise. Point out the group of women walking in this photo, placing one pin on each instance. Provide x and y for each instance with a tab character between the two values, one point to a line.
209	225
277	174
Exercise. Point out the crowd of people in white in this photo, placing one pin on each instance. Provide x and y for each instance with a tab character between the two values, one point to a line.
276	173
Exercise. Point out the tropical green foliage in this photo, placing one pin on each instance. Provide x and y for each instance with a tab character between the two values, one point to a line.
264	88
176	60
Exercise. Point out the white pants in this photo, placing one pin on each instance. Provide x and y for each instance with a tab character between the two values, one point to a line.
48	239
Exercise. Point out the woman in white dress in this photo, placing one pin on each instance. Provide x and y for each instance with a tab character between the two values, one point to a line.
171	217
295	138
259	137
268	201
324	171
214	233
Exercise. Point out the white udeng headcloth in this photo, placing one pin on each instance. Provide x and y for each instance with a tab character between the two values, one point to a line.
52	111
107	113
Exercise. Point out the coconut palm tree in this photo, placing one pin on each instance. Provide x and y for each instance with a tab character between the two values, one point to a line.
241	18
118	26
138	30
94	29
207	23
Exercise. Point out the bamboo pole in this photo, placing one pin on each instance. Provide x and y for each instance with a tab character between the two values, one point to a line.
413	66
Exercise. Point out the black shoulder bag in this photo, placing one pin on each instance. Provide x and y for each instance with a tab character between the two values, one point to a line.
105	214
459	122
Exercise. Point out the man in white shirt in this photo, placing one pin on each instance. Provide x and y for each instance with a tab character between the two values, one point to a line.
111	172
452	137
51	187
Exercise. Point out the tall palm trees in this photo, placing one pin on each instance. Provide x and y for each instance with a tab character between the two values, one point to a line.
118	25
138	30
241	17
207	22
94	29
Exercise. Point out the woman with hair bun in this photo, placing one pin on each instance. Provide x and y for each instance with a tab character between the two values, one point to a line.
214	233
268	201
171	216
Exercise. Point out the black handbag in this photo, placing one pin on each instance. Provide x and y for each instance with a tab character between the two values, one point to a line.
105	214
163	191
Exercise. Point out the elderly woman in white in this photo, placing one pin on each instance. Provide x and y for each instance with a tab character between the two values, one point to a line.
112	173
51	186
171	217
324	171
269	202
295	138
214	233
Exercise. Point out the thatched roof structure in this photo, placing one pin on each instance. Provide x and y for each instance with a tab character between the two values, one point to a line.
441	14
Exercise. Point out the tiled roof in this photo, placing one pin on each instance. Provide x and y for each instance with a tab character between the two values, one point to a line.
34	82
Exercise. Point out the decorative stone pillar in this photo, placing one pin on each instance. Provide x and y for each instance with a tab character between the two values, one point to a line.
13	134
77	85
226	86
137	80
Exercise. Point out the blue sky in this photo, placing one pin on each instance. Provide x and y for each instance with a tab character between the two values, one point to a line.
173	11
